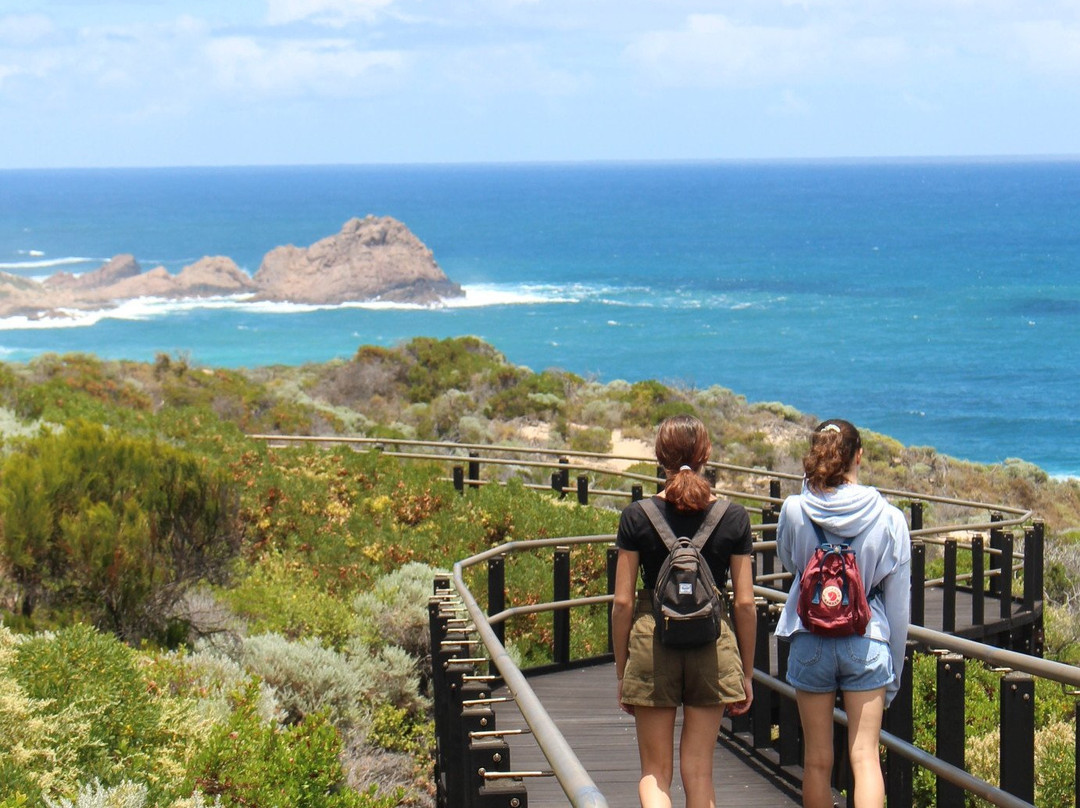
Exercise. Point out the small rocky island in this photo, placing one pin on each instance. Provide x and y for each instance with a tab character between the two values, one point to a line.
371	259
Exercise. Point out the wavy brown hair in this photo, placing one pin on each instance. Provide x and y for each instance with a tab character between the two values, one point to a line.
682	440
833	446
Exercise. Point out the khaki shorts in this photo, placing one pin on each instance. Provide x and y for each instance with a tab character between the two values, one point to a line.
658	676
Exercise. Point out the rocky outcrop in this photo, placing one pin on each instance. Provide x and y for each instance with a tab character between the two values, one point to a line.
370	259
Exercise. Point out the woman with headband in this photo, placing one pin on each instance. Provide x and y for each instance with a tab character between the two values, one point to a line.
864	668
654	679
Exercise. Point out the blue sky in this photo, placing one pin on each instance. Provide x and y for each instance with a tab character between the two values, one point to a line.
239	82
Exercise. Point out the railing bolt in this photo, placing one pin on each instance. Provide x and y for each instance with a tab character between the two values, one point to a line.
497	758
515	802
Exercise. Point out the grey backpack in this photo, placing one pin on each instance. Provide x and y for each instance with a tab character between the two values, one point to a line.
686	602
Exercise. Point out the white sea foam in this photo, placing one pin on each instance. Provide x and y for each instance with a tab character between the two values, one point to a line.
50	262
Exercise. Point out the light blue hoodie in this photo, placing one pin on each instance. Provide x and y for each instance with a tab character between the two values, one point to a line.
878	533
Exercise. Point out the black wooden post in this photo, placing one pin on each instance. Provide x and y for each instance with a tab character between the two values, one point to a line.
561	617
564	476
636	492
948	592
1006	575
1018	735
766	559
978	582
1039	541
1076	754
774	489
474	467
1030	576
496	568
459	479
556	484
583	489
612	563
709	473
662	479
996	535
790	746
950	725
899	720
916	516
761	710
918	583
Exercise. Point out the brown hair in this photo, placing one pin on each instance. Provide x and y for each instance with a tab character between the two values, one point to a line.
682	440
833	446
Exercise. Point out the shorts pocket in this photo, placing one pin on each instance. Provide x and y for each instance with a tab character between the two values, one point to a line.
806	648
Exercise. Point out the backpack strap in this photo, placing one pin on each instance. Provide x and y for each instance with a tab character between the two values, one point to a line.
713	514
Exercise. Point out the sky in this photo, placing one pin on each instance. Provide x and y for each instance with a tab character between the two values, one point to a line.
296	82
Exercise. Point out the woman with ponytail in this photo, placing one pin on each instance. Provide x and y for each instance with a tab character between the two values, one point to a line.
654	679
866	669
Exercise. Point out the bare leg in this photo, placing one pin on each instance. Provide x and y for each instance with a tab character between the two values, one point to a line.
816	716
864	709
696	750
656	746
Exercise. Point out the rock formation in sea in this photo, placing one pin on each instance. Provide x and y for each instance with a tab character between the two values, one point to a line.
370	259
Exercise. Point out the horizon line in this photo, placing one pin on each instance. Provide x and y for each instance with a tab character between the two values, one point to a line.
606	161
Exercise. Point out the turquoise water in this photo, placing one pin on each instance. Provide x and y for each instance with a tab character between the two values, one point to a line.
933	301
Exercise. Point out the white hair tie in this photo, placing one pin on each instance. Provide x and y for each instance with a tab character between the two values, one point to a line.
830	428
685	468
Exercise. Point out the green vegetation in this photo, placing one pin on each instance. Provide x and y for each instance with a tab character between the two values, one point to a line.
245	624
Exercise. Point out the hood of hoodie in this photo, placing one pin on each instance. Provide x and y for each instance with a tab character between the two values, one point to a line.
845	511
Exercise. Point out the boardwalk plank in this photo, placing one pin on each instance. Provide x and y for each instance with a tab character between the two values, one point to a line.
582	704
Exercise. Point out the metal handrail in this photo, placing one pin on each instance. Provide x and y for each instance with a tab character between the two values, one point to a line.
571	774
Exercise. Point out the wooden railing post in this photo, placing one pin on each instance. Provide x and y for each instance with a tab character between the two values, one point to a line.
762	707
583	489
978	582
916	516
996	535
459	479
474	467
496	568
918	583
950	725
1018	735
899	720
561	617
636	492
948	591
564	476
1006	576
790	741
661	478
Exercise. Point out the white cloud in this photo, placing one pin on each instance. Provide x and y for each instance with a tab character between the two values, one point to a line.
24	29
712	50
334	13
323	67
1049	47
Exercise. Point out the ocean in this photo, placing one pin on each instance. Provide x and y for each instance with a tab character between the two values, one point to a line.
935	301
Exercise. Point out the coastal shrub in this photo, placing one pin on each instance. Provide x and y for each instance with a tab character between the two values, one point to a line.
440	365
118	527
395	611
307	678
247	761
95	795
538	395
590	439
281	596
88	688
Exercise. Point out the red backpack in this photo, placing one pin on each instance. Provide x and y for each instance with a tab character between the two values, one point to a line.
832	601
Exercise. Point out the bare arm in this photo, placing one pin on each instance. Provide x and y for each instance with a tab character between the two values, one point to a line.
745	618
622	613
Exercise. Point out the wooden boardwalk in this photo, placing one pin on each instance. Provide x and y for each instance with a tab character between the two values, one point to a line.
581	702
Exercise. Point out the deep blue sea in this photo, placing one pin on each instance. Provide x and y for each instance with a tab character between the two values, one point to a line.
934	301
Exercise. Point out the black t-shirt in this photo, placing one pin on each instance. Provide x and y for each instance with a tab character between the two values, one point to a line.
730	537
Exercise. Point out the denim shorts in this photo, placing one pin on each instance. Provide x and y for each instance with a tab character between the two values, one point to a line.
823	664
